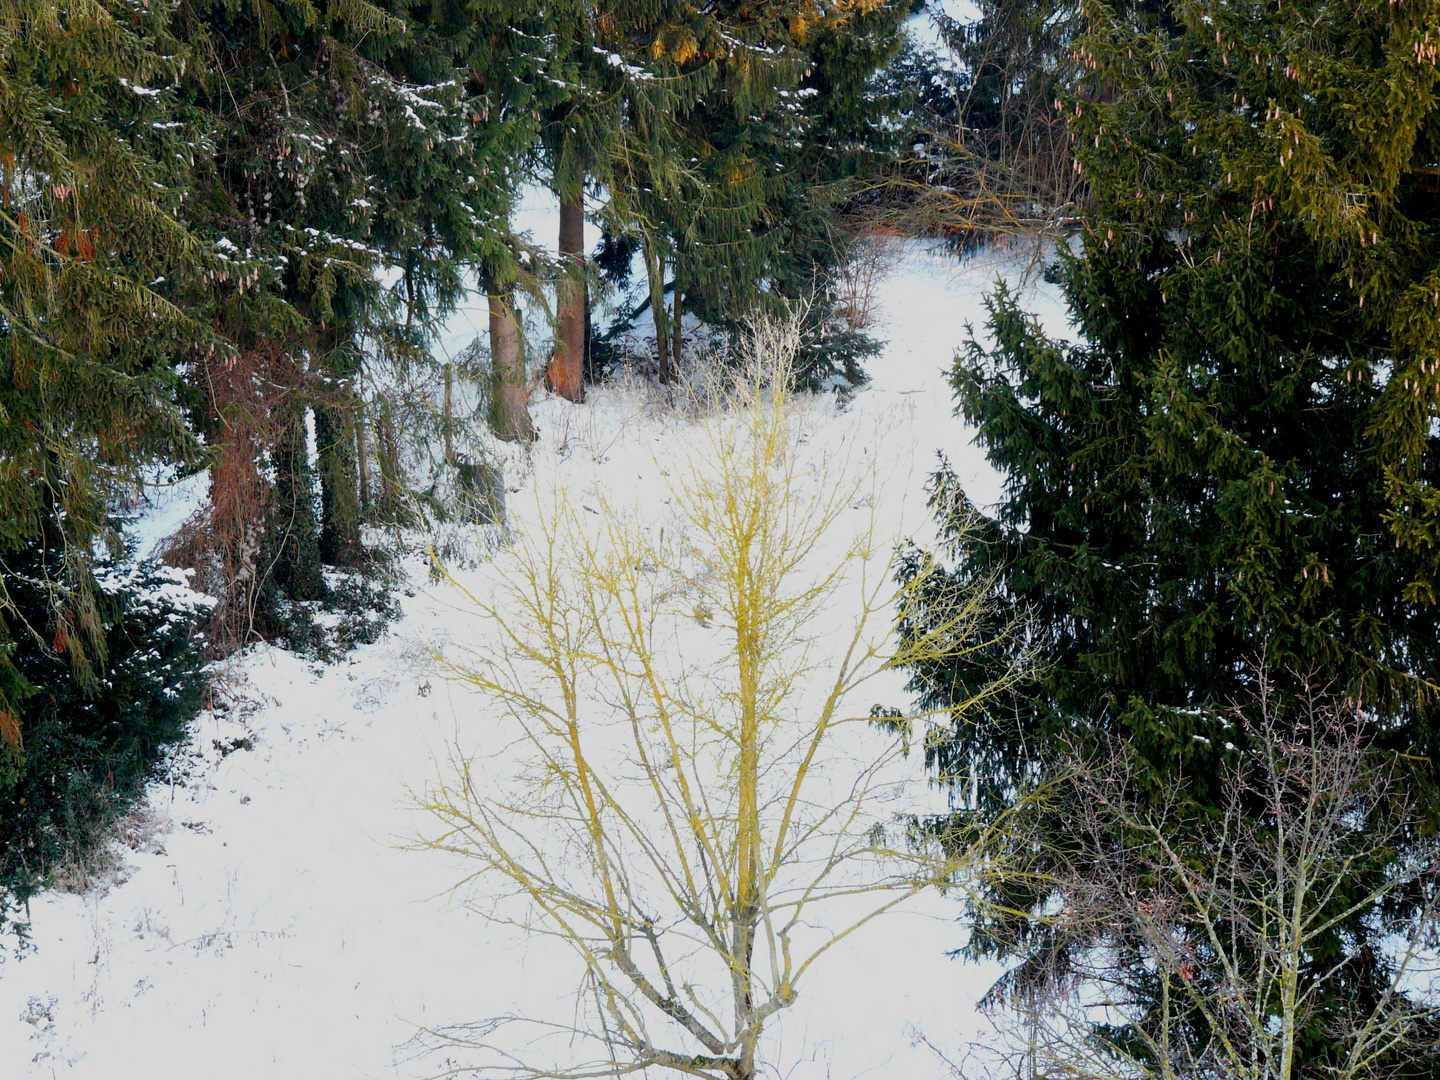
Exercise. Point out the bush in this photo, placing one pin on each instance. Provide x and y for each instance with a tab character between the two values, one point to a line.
354	612
87	753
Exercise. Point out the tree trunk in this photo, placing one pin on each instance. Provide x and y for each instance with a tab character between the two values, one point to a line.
447	415
392	490
339	486
655	274
589	330
509	413
567	366
675	325
362	463
292	523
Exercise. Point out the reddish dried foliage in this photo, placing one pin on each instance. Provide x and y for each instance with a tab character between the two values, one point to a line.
249	394
10	731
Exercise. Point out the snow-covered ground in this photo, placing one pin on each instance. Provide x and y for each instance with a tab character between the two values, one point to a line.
270	921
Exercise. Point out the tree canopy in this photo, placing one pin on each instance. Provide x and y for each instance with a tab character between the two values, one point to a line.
224	222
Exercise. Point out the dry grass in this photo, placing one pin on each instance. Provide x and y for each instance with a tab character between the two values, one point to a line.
101	865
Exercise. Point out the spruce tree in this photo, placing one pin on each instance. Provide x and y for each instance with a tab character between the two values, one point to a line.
449	183
286	110
362	156
460	91
95	269
727	156
661	73
92	260
1235	461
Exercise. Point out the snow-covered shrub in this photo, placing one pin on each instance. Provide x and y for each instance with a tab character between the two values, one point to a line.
87	751
355	611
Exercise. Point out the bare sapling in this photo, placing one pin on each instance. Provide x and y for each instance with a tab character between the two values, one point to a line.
869	260
1208	943
683	786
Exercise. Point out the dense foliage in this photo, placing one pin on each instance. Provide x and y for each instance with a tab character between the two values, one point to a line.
226	225
1233	464
87	752
92	173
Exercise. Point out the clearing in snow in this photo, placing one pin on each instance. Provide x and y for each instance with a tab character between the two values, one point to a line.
266	918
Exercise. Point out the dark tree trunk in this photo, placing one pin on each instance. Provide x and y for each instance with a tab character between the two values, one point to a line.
675	325
589	329
362	462
292	521
447	418
655	272
339	484
393	508
509	413
567	366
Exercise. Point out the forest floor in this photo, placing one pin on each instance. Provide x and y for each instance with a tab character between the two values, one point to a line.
263	916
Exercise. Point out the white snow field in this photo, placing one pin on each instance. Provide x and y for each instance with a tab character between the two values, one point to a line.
269	920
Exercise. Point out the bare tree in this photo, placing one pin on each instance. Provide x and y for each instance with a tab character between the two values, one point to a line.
698	832
1206	944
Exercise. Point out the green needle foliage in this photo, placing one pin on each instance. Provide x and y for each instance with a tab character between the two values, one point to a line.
96	268
91	255
289	110
740	121
1236	460
88	751
472	75
358	157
